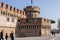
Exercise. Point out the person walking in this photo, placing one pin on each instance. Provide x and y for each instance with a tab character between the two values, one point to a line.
6	36
2	35
12	35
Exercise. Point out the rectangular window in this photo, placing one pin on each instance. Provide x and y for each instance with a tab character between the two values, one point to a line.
17	10
19	27
14	9
44	20
26	20
3	13
0	12
8	14
20	11
12	19
47	20
10	7
1	4
33	26
7	6
23	13
18	20
7	19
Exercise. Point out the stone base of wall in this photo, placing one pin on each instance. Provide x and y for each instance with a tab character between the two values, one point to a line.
28	33
45	32
7	30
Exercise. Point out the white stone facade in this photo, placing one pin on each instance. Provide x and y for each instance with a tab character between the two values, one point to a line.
10	23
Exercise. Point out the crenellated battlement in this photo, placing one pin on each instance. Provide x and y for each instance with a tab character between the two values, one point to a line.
12	10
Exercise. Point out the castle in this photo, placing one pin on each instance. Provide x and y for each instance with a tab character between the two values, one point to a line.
23	23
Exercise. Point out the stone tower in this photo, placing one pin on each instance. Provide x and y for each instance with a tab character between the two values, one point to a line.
32	12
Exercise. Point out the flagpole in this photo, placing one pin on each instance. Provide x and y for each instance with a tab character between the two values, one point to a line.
31	2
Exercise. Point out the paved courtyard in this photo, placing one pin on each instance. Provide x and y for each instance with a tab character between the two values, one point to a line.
32	38
37	38
56	37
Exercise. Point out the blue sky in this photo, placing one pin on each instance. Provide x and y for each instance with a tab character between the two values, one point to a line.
49	8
